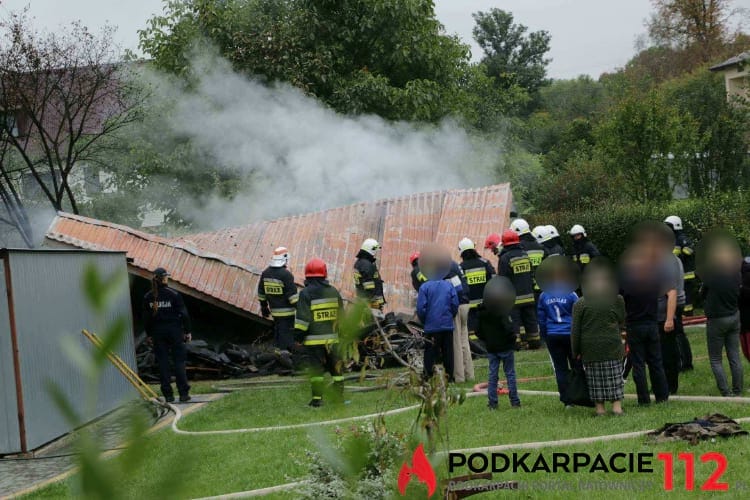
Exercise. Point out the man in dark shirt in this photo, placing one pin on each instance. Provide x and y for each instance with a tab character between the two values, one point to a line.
641	286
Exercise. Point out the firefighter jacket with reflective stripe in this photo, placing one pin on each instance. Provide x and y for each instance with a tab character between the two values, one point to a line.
367	280
536	252
417	277
554	247
277	289
456	278
170	319
683	248
584	251
318	310
516	266
478	272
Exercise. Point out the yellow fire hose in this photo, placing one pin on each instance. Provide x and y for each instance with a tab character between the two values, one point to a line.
142	387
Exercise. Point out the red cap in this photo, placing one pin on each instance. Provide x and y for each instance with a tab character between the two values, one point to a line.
492	241
316	268
413	257
510	237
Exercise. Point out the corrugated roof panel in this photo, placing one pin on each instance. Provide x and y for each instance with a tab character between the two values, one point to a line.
226	264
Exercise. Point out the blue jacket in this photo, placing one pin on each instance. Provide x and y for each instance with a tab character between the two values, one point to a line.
437	304
555	312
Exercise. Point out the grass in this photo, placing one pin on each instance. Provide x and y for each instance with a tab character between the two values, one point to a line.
213	465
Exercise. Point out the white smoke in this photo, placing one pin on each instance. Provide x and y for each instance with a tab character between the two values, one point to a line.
299	156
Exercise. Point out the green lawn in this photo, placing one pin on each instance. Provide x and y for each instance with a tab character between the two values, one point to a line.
213	465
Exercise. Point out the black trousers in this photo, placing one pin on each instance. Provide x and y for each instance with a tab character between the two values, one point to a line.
645	350
683	344
670	356
166	347
561	352
525	315
283	332
439	346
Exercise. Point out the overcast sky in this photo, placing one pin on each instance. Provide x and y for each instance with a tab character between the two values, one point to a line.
588	36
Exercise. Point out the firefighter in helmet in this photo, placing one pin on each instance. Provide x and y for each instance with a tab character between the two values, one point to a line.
515	265
478	271
553	243
167	325
367	279
277	294
316	327
417	276
583	249
683	249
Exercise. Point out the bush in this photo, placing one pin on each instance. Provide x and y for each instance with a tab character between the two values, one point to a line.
609	227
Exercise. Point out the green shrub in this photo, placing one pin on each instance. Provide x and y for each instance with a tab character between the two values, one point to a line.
610	227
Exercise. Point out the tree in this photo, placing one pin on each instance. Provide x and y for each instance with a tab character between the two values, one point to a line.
63	94
650	144
699	26
511	55
722	125
385	57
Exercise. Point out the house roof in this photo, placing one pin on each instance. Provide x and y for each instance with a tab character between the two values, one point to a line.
732	61
225	264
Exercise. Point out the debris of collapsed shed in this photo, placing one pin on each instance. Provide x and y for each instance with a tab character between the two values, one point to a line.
218	271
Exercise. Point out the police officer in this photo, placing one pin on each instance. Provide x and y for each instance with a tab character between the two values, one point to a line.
477	271
417	276
167	325
367	281
316	327
583	249
277	294
516	266
683	249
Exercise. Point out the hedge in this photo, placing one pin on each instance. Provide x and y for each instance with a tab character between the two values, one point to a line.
610	227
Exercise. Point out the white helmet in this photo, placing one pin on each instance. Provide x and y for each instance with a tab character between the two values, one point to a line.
577	229
540	233
370	246
552	232
466	244
674	221
520	226
280	257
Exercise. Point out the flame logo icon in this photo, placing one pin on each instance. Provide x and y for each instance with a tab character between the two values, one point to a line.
421	469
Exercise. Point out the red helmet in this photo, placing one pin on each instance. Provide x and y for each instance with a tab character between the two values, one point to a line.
510	237
413	257
316	268
492	241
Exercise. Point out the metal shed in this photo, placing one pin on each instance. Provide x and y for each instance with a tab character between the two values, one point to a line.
44	304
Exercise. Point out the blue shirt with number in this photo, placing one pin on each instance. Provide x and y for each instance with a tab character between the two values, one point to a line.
555	311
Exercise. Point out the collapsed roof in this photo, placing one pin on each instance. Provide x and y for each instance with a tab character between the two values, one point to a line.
223	267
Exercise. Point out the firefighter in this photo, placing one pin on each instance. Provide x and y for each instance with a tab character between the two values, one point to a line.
540	234
417	276
553	243
516	266
478	271
683	248
583	249
367	280
534	249
277	294
316	327
167	325
492	242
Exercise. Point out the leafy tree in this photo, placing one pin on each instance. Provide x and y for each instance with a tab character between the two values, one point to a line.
650	144
512	56
722	163
387	57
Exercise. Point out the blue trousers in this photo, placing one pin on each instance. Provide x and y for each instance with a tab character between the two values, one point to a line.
509	367
166	347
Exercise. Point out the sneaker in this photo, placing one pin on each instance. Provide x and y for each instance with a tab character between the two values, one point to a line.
185	398
169	399
316	403
492	407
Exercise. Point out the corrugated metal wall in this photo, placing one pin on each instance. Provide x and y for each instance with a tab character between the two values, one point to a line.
50	309
9	435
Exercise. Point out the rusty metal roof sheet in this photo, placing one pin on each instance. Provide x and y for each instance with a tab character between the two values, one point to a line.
206	275
224	265
401	225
